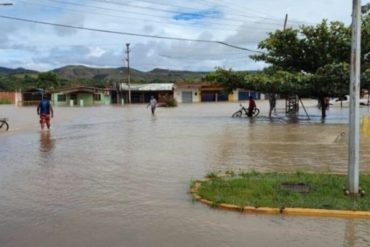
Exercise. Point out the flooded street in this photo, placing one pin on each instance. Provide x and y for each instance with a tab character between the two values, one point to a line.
117	176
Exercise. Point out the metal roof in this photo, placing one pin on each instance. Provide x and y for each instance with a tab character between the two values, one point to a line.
149	87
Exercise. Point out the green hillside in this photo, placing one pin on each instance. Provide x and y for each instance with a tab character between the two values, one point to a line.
15	79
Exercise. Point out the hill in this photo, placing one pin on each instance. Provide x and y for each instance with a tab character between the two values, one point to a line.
16	79
78	72
17	71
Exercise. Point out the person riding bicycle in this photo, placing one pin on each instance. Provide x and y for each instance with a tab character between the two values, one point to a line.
45	111
251	106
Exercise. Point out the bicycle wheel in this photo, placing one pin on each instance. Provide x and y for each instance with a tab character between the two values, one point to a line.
237	114
256	112
4	126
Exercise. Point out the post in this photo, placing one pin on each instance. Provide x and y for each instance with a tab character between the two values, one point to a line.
354	113
128	71
285	21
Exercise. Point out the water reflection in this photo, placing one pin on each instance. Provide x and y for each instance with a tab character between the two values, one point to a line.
46	142
356	233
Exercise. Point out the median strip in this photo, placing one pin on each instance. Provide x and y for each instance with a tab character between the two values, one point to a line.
300	193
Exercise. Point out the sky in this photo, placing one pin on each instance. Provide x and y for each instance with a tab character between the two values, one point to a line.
196	29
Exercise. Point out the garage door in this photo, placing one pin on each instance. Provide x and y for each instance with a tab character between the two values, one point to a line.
243	95
187	97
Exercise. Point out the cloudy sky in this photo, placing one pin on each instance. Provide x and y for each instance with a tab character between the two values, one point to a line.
243	23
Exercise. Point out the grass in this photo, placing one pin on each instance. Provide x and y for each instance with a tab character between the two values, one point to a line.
266	190
5	101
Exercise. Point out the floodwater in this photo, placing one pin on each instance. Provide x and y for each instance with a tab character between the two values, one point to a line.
117	176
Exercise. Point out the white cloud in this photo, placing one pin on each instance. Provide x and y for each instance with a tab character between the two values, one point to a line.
96	52
36	46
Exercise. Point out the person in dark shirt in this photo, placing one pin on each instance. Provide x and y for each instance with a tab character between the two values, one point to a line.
45	111
251	106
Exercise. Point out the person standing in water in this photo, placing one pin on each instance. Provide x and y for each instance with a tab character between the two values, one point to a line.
272	102
45	111
152	104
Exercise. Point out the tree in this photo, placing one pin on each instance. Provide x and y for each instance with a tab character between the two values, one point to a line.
229	79
322	50
307	48
47	80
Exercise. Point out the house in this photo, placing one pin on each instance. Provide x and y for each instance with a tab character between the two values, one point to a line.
188	93
141	93
243	94
205	92
10	97
80	96
33	96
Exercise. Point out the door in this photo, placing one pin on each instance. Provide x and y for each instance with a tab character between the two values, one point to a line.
187	97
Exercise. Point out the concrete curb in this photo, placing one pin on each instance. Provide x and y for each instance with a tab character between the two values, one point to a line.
279	211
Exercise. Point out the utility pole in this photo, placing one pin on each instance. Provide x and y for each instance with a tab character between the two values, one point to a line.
285	21
128	71
354	112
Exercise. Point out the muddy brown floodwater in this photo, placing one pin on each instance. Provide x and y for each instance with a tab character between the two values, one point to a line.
116	176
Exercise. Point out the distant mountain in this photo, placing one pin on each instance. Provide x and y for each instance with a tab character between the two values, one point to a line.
76	72
8	71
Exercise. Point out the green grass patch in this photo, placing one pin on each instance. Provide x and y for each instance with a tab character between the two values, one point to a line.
5	101
268	190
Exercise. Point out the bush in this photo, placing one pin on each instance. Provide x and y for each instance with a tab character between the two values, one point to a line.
170	102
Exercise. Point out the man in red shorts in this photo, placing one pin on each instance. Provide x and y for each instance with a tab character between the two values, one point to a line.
45	111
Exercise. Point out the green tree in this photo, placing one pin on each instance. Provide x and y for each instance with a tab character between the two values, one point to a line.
307	48
47	80
322	51
229	79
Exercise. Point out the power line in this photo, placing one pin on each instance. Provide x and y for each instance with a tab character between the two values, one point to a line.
129	34
178	12
229	6
232	20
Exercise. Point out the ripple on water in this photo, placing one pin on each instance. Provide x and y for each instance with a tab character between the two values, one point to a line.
116	176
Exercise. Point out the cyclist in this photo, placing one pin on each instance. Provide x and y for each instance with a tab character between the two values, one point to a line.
45	111
251	106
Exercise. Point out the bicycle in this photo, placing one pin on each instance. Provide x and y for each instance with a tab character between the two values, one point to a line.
4	126
244	111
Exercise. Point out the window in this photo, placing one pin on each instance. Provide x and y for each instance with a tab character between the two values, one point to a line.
62	98
97	97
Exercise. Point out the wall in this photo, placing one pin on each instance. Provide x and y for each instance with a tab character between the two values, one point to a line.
54	99
86	97
196	94
8	97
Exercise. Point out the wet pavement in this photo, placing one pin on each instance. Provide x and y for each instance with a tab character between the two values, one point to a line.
117	176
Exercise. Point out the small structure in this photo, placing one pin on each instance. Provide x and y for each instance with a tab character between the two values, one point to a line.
80	96
33	96
10	97
188	93
243	94
205	92
141	93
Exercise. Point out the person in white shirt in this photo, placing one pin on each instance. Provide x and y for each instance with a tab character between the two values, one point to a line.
152	104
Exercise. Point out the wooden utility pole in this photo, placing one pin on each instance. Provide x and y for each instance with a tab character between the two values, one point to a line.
128	71
354	112
285	21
